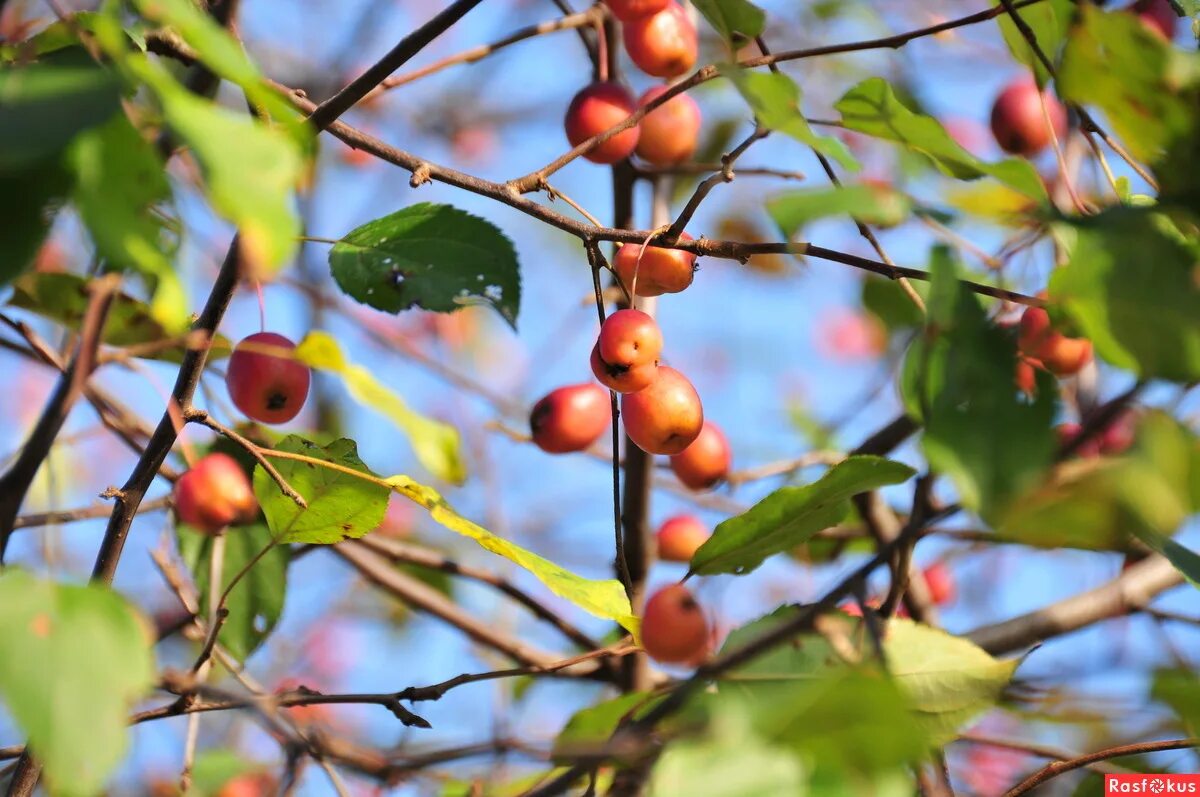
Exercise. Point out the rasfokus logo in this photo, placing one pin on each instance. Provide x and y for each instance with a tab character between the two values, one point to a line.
1152	784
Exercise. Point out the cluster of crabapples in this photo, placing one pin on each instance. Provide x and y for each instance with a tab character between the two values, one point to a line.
268	385
661	40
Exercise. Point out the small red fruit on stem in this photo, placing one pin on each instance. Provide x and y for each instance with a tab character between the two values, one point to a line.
940	582
1018	122
621	378
595	109
670	131
1058	353
664	417
706	461
264	382
679	537
663	44
215	493
570	418
674	628
660	271
626	10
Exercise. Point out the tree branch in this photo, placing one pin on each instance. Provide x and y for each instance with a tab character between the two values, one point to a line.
1057	768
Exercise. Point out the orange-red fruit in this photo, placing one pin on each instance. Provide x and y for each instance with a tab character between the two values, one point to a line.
215	493
664	417
670	131
570	418
249	785
940	582
1158	16
595	109
1017	120
1026	375
674	628
1059	354
679	537
706	461
621	378
662	44
626	10
630	337
661	270
267	386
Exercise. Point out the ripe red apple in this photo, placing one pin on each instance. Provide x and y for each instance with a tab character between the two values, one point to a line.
570	418
1017	120
1058	353
626	10
595	109
664	417
674	628
1158	16
663	44
679	537
630	338
1026	375
264	382
215	493
940	582
622	378
670	131
661	270
706	461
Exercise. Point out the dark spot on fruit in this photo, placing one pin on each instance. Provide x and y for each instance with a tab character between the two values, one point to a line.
276	401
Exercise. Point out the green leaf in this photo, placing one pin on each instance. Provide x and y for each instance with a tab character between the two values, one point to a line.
249	169
605	599
791	515
119	178
775	100
1180	690
214	768
737	21
1049	22
75	659
221	53
436	257
872	108
436	444
1149	325
1112	62
870	204
28	200
888	301
63	298
993	444
45	104
256	603
589	728
340	506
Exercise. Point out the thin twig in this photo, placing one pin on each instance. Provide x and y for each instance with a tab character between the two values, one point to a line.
1057	768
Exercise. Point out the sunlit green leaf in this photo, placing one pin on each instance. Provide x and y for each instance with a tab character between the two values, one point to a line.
340	506
589	728
1049	22
791	515
435	257
775	99
872	108
436	444
604	599
871	204
74	661
737	21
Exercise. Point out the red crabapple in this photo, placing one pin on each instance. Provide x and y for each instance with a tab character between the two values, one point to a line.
630	338
595	109
623	379
664	417
1120	433
706	461
679	537
264	382
940	583
1017	120
662	44
674	628
214	493
1058	353
670	131
626	10
570	418
661	270
1067	432
1158	16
